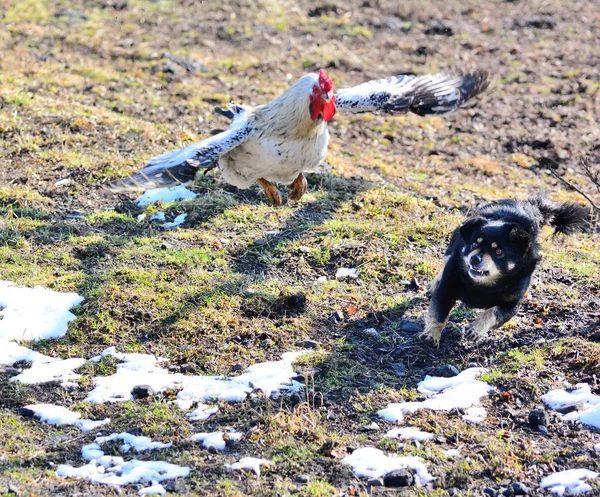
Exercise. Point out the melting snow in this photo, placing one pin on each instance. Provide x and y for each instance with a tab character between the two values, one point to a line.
112	470
249	463
475	415
141	369
176	222
571	480
582	397
34	313
410	434
215	439
451	452
345	272
58	415
159	216
459	392
165	195
374	463
156	489
202	412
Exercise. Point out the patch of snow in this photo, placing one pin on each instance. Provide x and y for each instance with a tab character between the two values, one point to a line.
89	424
451	453
142	369
53	415
582	397
249	463
202	412
475	415
138	443
141	217
410	433
159	216
597	447
346	272
57	370
118	472
91	451
10	352
369	462
176	222
165	195
571	480
321	279
34	313
156	489
215	439
459	392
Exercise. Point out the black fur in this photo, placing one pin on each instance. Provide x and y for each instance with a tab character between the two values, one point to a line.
491	258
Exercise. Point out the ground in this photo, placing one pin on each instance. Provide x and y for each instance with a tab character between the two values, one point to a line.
91	89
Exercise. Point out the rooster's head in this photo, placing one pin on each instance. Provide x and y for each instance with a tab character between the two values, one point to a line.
322	99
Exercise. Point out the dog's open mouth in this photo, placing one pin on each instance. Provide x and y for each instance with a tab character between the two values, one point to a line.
478	272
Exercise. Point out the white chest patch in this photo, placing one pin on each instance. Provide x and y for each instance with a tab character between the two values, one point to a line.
275	159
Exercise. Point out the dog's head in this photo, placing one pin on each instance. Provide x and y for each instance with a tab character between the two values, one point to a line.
493	250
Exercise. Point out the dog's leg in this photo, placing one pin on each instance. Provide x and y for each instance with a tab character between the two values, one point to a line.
438	313
491	318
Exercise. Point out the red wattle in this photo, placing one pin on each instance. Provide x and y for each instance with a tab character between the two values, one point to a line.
329	109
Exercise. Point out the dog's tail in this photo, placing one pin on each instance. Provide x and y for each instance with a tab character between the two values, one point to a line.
564	218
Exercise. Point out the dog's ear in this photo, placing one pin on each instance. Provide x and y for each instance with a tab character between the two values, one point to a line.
517	234
466	229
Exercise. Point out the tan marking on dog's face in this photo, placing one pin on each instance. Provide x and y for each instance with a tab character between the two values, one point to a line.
488	266
479	240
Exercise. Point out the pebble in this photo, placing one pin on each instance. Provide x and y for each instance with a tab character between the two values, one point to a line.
175	486
520	489
399	369
337	317
372	332
537	418
375	482
302	479
307	344
492	492
372	427
142	391
542	429
410	326
447	371
398	478
237	367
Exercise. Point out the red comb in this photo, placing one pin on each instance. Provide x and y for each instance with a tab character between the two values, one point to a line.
325	82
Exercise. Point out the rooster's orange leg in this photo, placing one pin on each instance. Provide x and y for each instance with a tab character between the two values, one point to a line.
270	191
298	187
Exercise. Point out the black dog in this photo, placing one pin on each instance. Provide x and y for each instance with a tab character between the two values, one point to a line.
491	258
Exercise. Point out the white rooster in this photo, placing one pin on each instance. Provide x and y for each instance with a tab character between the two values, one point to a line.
278	141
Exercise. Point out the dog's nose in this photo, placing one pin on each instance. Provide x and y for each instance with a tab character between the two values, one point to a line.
476	260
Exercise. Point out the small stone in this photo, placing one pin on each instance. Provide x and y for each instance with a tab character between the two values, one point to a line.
520	489
237	367
356	206
507	492
212	450
542	429
572	408
398	478
594	337
12	371
492	492
25	412
452	491
188	367
175	486
337	317
399	369
371	332
447	371
410	326
375	482
304	249
537	418
302	479
166	246
142	391
372	427
307	344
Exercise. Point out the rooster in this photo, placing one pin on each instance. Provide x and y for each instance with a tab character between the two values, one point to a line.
277	142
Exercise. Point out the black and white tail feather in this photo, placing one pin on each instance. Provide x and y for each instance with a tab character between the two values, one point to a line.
565	218
432	94
181	166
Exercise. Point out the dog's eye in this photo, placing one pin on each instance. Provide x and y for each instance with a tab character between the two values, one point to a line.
474	245
499	251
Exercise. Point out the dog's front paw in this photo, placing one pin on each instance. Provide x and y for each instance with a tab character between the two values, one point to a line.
476	330
432	335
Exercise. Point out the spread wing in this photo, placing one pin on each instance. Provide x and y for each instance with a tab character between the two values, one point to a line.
423	95
181	166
